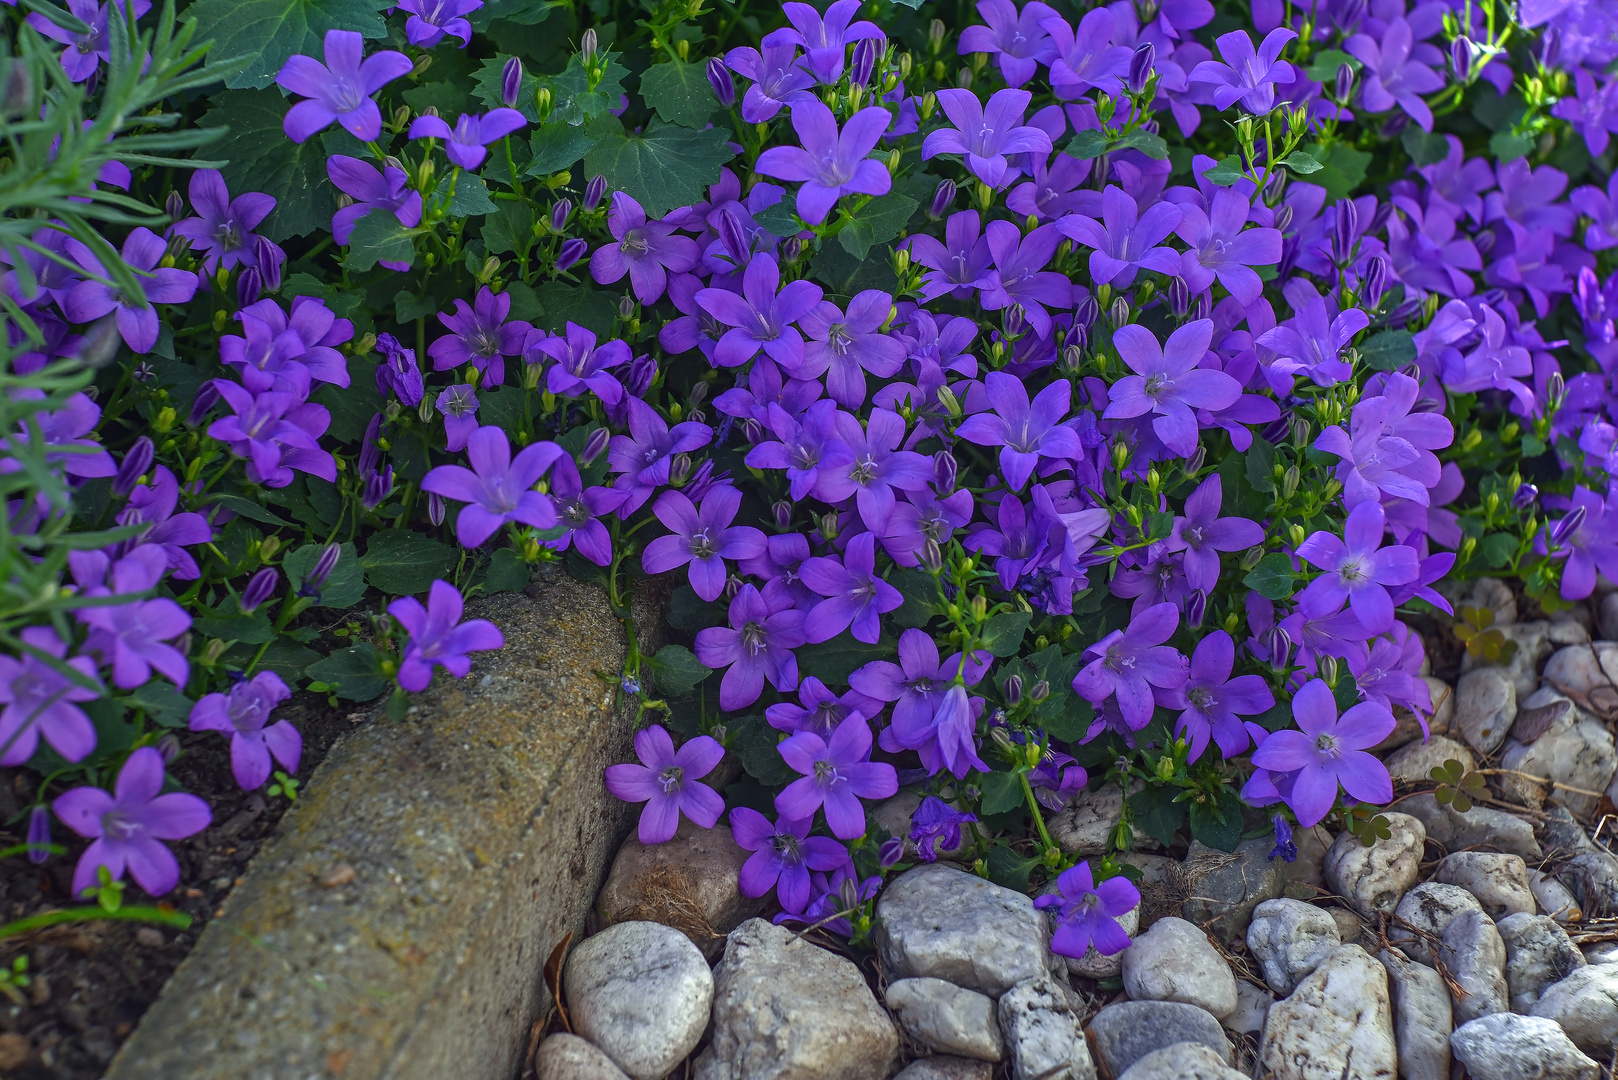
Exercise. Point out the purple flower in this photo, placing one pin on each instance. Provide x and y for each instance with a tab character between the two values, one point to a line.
778	79
837	773
90	299
1129	662
642	457
844	347
1312	341
1388	448
855	596
276	433
128	826
278	353
85	52
153	505
1202	534
764	629
430	20
879	466
936	825
132	636
932	713
1168	383
1056	779
959	264
466	144
1019	276
1326	752
783	855
829	164
985	134
243	715
1601	207
1087	914
666	780
580	365
1247	76
39	835
39	700
1589	547
579	511
806	447
1018	38
459	404
438	637
1125	240
702	538
1220	247
223	227
398	374
1211	699
387	190
762	316
1086	57
1284	847
63	430
1356	569
1392	76
1592	110
497	488
1024	432
480	336
825	39
646	251
340	89
819	710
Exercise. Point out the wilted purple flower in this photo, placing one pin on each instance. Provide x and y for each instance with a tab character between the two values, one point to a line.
824	39
778	80
1328	751
667	782
984	135
438	637
837	773
935	827
1125	240
1087	914
1056	779
844	347
1086	57
1129	662
340	89
430	20
722	82
91	299
1392	76
646	251
783	855
1284	847
1247	76
480	336
1168	382
829	164
764	629
466	144
259	589
128	826
703	538
39	700
244	715
643	456
1017	38
398	373
1212	700
1202	534
498	488
1357	569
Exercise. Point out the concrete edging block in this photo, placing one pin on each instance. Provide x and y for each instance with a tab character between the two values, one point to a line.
478	830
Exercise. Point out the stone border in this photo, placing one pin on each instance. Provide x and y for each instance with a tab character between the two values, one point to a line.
398	924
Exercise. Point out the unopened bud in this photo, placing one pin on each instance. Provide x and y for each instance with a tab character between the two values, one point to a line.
1014	690
174	206
561	210
722	82
931	556
588	45
133	467
781	514
828	525
435	508
1196	609
865	54
260	588
1118	313
572	251
1140	66
511	82
594	445
594	192
943	199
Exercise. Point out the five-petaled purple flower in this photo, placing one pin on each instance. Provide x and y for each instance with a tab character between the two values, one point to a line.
1202	534
984	135
223	227
667	781
438	637
430	20
1128	663
825	38
340	89
1125	241
829	164
1211	699
387	190
480	335
837	774
128	826
1356	568
761	317
855	597
39	700
1327	751
1087	914
645	250
244	715
466	144
497	488
137	323
1168	383
1024	431
702	538
757	645
580	365
783	855
1247	76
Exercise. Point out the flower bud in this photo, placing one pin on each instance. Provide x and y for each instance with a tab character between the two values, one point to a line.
679	470
378	486
511	82
588	45
260	588
1013	321
1193	464
943	199
594	192
737	244
891	851
866	51
1569	525
1118	313
1283	217
931	556
1550	47
435	508
1196	609
1376	280
133	467
207	397
174	206
1460	58
1014	690
781	514
828	525
248	288
561	210
642	372
572	251
1140	66
1344	227
39	835
1555	389
945	470
1278	643
1344	86
752	431
722	82
1525	496
1179	297
1073	353
1085	312
542	102
1328	669
594	445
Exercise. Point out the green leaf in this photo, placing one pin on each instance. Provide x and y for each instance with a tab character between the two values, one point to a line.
507	573
1159	525
1003	634
471	197
270	31
754	743
1226	172
1388	350
1087	144
1075	717
403	563
1259	463
835	660
1346	693
558	146
509	228
689	612
378	237
1323	69
521	12
1424	147
1344	169
781	220
920	594
1001	792
1218	823
679	92
249	509
564	302
355	673
1008	869
1272	577
344	586
1498	548
254	629
262	158
1301	163
525	303
163	703
287	659
677	670
1147	143
878	221
572	99
666	167
1156	813
1509	147
408	307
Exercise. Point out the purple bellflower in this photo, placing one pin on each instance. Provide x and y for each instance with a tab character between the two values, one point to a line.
984	135
878	469
39	700
1017	38
387	190
1125	240
829	164
1168	383
430	20
138	324
439	637
844	347
244	715
275	432
580	510
668	782
1212	700
1087	914
761	317
85	52
1086	56
128	826
1392	76
1328	751
642	457
824	39
1128	663
467	143
757	645
1247	76
580	364
1220	247
497	488
837	774
459	404
935	827
1202	534
646	251
783	855
340	89
1019	276
958	264
856	597
778	79
702	539
1025	432
133	636
1357	569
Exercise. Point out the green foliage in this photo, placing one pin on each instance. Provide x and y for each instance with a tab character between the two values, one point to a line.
266	32
668	166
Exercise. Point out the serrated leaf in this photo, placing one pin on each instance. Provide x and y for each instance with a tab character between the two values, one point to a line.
509	229
521	12
403	563
270	31
163	703
408	307
355	672
249	509
679	92
1001	792
920	594
666	167
781	220
471	198
1259	464
378	237
1226	172
754	743
1498	548
877	222
1344	169
261	158
1507	146
1218	824
835	660
558	146
1087	144
1388	350
344	586
1156	813
1008	869
689	612
1003	634
1301	163
1147	143
572	99
677	670
1323	68
1424	147
1272	577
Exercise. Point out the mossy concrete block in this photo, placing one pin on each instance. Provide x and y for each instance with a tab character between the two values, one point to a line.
478	831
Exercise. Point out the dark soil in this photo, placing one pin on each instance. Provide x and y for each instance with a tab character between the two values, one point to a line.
91	982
